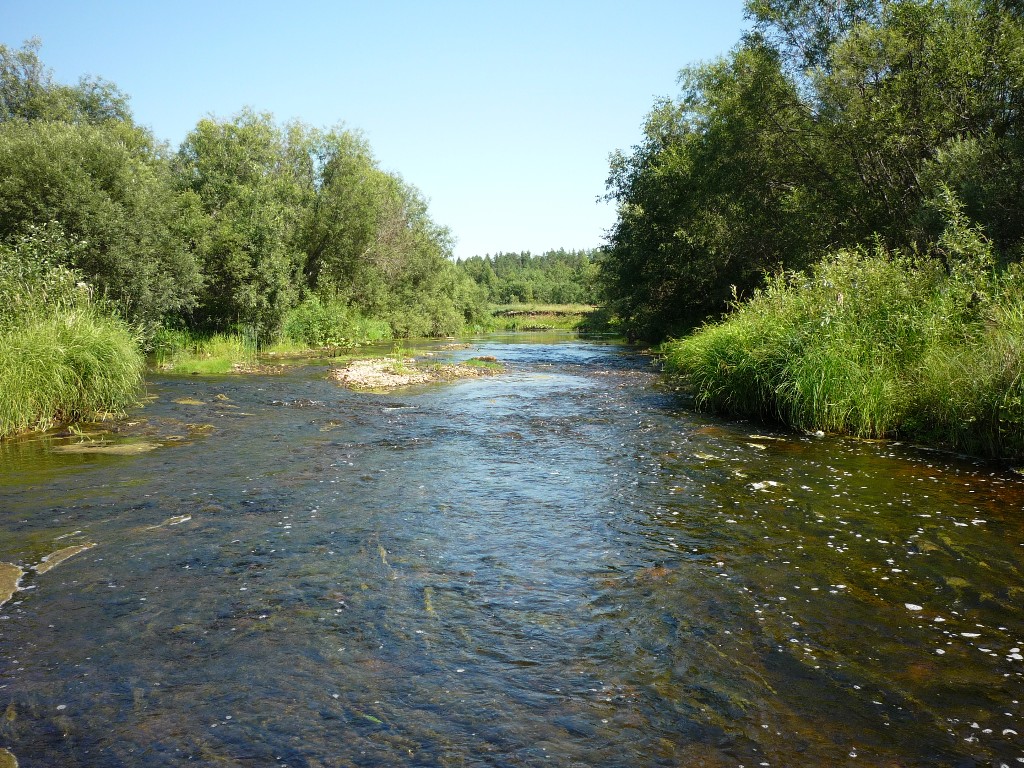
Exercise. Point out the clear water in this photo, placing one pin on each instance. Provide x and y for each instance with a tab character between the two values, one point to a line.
558	566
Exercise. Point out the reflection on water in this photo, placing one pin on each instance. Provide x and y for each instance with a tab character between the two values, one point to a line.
556	566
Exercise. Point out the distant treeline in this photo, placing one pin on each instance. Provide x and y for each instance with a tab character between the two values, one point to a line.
553	277
242	224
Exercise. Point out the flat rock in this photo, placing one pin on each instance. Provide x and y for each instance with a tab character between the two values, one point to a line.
114	449
10	578
54	559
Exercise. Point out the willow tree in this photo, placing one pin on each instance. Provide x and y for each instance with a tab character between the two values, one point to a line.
246	245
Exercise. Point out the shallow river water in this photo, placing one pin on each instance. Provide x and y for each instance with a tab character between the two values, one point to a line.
559	566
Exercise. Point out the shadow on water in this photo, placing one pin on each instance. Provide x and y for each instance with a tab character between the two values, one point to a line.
558	565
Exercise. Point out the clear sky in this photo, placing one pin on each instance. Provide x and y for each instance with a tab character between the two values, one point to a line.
502	113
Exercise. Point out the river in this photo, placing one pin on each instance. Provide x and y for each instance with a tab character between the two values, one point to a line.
558	566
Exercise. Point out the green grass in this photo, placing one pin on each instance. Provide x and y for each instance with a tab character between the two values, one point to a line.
318	323
181	352
62	366
483	364
873	345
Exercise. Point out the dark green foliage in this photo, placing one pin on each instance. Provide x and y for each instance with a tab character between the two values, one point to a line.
245	237
245	222
117	203
294	211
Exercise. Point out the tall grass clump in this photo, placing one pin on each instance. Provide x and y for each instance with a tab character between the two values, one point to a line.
60	368
875	344
63	356
970	393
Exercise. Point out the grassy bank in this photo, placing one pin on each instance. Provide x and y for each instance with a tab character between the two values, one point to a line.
875	345
541	317
62	366
183	352
311	326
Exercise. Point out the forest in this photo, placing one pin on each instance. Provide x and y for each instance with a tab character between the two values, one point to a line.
553	277
832	212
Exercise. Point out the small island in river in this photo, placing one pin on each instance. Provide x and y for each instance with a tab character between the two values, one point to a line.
384	373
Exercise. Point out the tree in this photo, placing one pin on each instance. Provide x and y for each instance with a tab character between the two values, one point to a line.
118	203
246	246
833	123
28	92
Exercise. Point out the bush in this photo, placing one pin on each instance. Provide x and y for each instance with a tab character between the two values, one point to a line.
317	323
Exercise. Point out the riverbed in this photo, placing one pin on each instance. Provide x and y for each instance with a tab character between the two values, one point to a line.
561	565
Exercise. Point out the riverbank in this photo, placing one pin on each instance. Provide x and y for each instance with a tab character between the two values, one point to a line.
541	317
872	345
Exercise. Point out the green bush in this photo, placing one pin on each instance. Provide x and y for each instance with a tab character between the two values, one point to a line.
316	323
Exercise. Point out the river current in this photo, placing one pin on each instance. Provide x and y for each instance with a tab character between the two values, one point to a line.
561	565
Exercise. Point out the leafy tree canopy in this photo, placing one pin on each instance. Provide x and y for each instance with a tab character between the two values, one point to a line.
830	124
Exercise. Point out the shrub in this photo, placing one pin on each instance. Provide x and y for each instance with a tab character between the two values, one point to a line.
317	323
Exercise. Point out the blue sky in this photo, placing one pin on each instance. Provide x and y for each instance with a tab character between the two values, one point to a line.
502	113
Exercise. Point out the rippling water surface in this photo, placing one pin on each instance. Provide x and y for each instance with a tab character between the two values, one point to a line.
558	566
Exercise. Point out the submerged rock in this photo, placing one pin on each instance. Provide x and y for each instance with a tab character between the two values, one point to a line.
7	759
54	559
114	449
170	521
10	579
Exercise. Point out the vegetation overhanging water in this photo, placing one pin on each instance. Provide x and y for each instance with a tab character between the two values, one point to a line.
558	565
